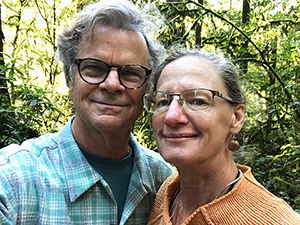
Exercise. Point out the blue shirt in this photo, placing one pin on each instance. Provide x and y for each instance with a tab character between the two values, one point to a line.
48	181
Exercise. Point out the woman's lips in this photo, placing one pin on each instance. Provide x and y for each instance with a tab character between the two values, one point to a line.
179	135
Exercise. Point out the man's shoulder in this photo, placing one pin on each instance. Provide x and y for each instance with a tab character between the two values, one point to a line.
143	152
150	159
33	147
152	155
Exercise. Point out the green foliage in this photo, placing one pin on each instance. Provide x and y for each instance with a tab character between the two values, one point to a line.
143	131
27	111
285	174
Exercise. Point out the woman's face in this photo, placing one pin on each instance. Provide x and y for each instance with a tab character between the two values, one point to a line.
188	137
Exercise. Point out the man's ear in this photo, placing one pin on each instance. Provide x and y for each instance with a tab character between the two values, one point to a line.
238	118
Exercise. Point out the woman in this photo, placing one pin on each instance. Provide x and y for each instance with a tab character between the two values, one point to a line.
198	107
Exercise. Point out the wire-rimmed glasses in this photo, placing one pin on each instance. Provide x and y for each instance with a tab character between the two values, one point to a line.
199	99
95	71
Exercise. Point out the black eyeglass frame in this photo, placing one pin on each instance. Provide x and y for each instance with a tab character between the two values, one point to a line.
214	93
78	61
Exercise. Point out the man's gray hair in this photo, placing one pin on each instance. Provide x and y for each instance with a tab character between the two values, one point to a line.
118	14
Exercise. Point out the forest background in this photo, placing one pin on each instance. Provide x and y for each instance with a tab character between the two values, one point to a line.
262	37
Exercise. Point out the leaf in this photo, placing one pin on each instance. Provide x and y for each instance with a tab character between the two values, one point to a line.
34	102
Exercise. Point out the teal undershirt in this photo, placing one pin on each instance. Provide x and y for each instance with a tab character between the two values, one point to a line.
116	172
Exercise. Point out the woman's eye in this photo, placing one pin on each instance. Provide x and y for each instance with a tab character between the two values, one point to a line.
161	103
197	102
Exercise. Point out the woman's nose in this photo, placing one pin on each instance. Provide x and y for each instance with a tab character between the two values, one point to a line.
175	114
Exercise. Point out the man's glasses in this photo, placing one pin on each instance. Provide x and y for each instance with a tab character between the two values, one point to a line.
193	99
95	71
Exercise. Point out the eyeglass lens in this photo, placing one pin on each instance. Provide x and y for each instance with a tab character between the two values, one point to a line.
194	99
95	71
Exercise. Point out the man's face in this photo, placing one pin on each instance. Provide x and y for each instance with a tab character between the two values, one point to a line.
109	106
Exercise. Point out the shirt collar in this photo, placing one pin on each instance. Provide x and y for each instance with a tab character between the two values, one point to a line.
142	164
79	174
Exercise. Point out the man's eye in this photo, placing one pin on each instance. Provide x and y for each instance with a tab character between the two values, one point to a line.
93	70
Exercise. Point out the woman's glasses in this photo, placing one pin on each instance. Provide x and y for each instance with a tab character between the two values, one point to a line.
199	99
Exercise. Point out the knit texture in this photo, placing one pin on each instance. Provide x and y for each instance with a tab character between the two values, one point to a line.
248	203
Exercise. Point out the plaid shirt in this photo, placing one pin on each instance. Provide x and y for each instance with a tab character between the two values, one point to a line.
48	181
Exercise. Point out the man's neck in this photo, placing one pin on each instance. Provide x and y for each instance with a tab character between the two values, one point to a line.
113	145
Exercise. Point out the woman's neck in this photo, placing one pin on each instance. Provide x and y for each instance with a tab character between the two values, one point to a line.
200	188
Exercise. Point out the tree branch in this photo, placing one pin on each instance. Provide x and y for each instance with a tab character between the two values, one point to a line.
289	96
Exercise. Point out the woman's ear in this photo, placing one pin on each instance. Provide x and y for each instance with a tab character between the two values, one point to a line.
238	118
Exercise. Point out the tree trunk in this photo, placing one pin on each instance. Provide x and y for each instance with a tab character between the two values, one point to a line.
3	84
246	11
245	20
199	29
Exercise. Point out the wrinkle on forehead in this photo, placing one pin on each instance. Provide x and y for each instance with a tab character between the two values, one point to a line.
113	44
189	72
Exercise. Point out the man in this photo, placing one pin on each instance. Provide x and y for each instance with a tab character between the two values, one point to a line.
92	171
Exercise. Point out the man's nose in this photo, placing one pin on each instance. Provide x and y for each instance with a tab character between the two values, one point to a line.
112	82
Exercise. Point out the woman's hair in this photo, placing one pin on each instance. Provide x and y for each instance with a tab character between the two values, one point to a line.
118	14
226	70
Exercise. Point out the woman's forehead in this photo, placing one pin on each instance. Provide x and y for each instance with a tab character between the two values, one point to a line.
190	72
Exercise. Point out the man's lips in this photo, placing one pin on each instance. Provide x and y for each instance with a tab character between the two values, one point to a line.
116	104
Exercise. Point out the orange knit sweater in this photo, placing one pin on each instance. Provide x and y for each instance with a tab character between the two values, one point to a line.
248	203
